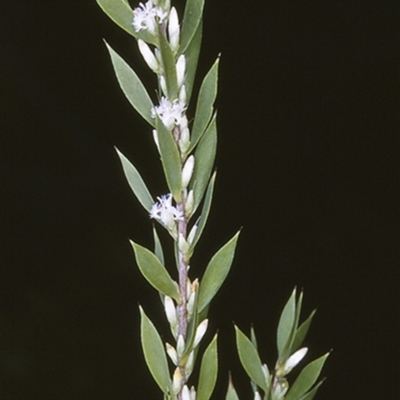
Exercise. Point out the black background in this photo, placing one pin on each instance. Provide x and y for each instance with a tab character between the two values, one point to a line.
308	141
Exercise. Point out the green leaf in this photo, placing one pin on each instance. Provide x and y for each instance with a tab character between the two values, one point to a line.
208	371
216	272
191	20
136	182
231	393
204	156
302	331
154	353
121	14
132	86
205	104
158	251
311	394
205	210
253	337
155	273
169	67
192	57
286	323
306	378
250	359
170	159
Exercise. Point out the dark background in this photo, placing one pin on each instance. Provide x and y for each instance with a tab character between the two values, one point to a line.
308	144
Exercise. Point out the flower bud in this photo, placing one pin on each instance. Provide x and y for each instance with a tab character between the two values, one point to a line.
182	94
187	171
192	232
177	381
163	84
280	389
173	29
189	364
155	138
183	244
180	345
185	393
184	141
181	69
148	56
170	311
192	393
257	396
189	205
200	331
172	353
292	361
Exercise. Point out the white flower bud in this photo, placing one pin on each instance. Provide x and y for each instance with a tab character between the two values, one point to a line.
190	304
184	141
185	393
155	138
280	389
187	171
189	205
182	94
163	84
189	364
183	244
183	122
170	311
293	360
192	232
181	69
200	331
257	396
172	353
180	345
192	393
148	56
177	381
173	29
265	372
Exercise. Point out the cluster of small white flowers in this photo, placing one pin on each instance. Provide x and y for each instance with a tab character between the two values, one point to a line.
165	212
144	17
171	114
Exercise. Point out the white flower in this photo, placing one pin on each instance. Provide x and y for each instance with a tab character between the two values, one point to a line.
165	212
171	114
144	17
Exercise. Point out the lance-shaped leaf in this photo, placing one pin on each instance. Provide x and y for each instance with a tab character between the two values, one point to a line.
286	323
231	393
120	12
192	58
169	67
205	156
306	379
205	210
208	371
155	273
250	359
170	159
216	272
136	182
191	19
132	86
154	353
205	103
311	394
301	332
288	347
